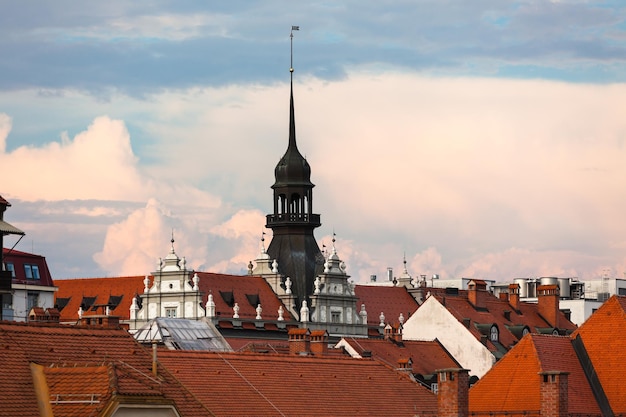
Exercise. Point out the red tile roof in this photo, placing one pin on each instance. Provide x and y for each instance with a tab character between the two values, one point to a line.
102	289
240	384
427	356
508	320
241	286
256	345
78	391
389	300
604	337
80	347
513	384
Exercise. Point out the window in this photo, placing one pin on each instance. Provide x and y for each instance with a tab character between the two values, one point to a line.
7	301
32	271
33	300
621	291
493	334
335	316
10	267
170	312
434	387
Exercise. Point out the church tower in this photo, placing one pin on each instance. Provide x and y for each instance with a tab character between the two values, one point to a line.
293	245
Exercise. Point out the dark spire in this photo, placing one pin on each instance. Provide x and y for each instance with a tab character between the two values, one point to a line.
293	244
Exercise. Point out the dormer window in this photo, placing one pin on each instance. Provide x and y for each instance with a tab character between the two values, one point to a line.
493	334
10	267
31	271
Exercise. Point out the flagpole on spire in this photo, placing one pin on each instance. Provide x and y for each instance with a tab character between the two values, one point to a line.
291	41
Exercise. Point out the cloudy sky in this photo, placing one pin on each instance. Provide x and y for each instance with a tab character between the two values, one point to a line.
480	139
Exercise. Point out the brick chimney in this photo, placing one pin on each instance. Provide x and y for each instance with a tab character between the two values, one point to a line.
548	303
393	332
112	322
477	293
452	392
514	296
554	398
299	341
319	342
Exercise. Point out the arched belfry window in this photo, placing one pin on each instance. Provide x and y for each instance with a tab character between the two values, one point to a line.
305	204
282	204
296	202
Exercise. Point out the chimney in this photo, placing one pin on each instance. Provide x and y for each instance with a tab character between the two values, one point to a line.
154	358
397	336
548	303
554	398
514	296
477	292
388	332
452	392
299	341
406	365
319	342
112	322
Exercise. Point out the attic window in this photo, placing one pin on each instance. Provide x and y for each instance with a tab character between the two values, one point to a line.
114	301
61	303
493	334
253	299
87	302
228	297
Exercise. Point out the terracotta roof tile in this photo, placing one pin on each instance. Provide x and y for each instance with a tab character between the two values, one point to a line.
513	384
78	391
389	300
101	288
427	356
71	346
239	286
297	386
604	337
498	312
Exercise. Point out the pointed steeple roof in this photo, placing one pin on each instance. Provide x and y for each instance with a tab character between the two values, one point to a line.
293	168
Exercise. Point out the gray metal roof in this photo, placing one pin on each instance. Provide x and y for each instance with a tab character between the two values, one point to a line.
8	229
183	334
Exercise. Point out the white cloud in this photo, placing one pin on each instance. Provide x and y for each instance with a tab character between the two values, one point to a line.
490	178
5	128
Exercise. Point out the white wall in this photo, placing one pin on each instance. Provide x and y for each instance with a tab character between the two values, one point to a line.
433	321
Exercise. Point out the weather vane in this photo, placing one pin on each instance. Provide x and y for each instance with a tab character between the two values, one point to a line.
291	41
